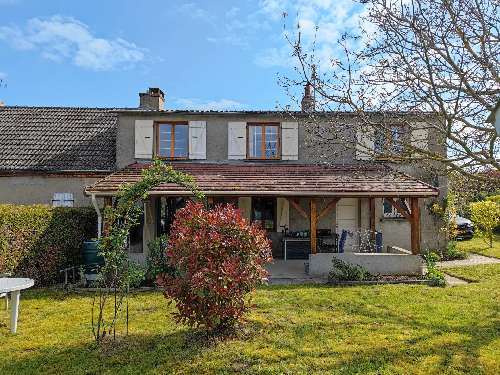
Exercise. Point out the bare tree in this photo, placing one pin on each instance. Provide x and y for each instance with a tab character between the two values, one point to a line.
422	77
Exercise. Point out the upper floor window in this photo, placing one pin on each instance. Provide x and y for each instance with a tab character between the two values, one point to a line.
172	140
389	139
263	141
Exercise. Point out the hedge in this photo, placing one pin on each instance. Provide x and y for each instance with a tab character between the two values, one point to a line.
37	241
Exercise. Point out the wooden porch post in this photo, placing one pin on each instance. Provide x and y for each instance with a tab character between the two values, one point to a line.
415	226
372	218
313	225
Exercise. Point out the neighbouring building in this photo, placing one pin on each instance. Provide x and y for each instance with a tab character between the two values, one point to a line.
260	161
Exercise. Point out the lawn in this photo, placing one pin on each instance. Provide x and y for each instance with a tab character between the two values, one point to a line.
388	329
479	246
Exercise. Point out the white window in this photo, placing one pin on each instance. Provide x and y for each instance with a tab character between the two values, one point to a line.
63	200
389	140
391	211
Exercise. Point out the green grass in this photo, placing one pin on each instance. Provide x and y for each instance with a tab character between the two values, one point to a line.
479	246
384	329
482	272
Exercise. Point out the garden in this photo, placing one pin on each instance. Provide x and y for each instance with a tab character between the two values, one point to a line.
211	311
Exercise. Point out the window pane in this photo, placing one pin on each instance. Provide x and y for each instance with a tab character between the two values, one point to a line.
271	142
181	141
397	138
255	141
263	212
165	135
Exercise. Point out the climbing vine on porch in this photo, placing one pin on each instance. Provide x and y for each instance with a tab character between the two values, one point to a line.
113	278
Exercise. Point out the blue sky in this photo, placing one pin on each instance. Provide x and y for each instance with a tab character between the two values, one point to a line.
203	54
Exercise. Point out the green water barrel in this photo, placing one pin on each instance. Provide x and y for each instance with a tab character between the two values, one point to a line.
90	254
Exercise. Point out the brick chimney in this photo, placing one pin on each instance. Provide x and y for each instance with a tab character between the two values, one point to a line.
307	103
153	99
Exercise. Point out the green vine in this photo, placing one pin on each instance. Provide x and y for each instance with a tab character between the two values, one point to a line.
113	278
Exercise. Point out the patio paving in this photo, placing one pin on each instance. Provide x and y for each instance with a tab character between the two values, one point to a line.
472	260
287	272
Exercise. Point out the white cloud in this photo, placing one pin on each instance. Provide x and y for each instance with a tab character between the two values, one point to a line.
61	38
321	22
207	105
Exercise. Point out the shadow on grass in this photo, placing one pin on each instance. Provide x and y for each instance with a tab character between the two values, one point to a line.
134	354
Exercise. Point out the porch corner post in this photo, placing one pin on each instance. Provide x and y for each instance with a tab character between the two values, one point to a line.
313	225
415	226
371	201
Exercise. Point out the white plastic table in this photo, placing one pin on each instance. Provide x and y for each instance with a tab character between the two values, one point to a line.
14	286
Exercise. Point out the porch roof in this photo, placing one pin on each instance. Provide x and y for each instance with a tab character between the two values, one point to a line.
278	179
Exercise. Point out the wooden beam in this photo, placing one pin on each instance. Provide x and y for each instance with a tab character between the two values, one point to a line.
313	226
299	209
401	209
415	226
328	208
371	202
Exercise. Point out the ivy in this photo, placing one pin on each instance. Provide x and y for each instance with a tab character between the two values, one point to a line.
114	277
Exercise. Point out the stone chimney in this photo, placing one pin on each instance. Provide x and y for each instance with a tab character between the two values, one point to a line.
153	99
2	104
307	103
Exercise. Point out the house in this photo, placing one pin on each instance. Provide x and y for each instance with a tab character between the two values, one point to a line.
49	154
264	162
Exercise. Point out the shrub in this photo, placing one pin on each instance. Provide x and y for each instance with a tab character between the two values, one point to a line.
434	275
343	271
486	217
452	252
37	241
136	275
157	259
218	259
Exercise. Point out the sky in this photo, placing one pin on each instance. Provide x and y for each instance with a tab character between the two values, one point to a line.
203	54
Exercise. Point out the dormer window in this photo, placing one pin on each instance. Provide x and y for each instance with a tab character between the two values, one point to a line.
263	141
172	140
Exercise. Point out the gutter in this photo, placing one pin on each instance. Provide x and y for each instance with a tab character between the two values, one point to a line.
291	193
99	216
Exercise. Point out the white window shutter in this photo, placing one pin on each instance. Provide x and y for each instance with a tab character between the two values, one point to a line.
365	143
419	136
197	140
237	140
143	139
290	141
283	211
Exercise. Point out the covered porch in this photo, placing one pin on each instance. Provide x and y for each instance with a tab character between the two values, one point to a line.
306	209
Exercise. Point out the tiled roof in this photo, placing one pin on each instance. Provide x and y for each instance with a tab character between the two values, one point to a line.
57	139
276	178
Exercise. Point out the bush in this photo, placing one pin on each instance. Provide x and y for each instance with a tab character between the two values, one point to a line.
452	252
37	241
218	259
486	217
434	275
157	259
342	271
136	275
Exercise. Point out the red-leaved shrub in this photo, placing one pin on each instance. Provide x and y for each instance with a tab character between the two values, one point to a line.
218	258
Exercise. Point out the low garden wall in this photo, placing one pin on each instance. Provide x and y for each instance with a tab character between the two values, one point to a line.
37	241
375	263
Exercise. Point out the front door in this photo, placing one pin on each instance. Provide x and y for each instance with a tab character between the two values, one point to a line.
166	207
347	218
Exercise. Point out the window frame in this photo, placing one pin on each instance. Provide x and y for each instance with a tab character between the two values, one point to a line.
62	200
172	156
263	142
388	150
